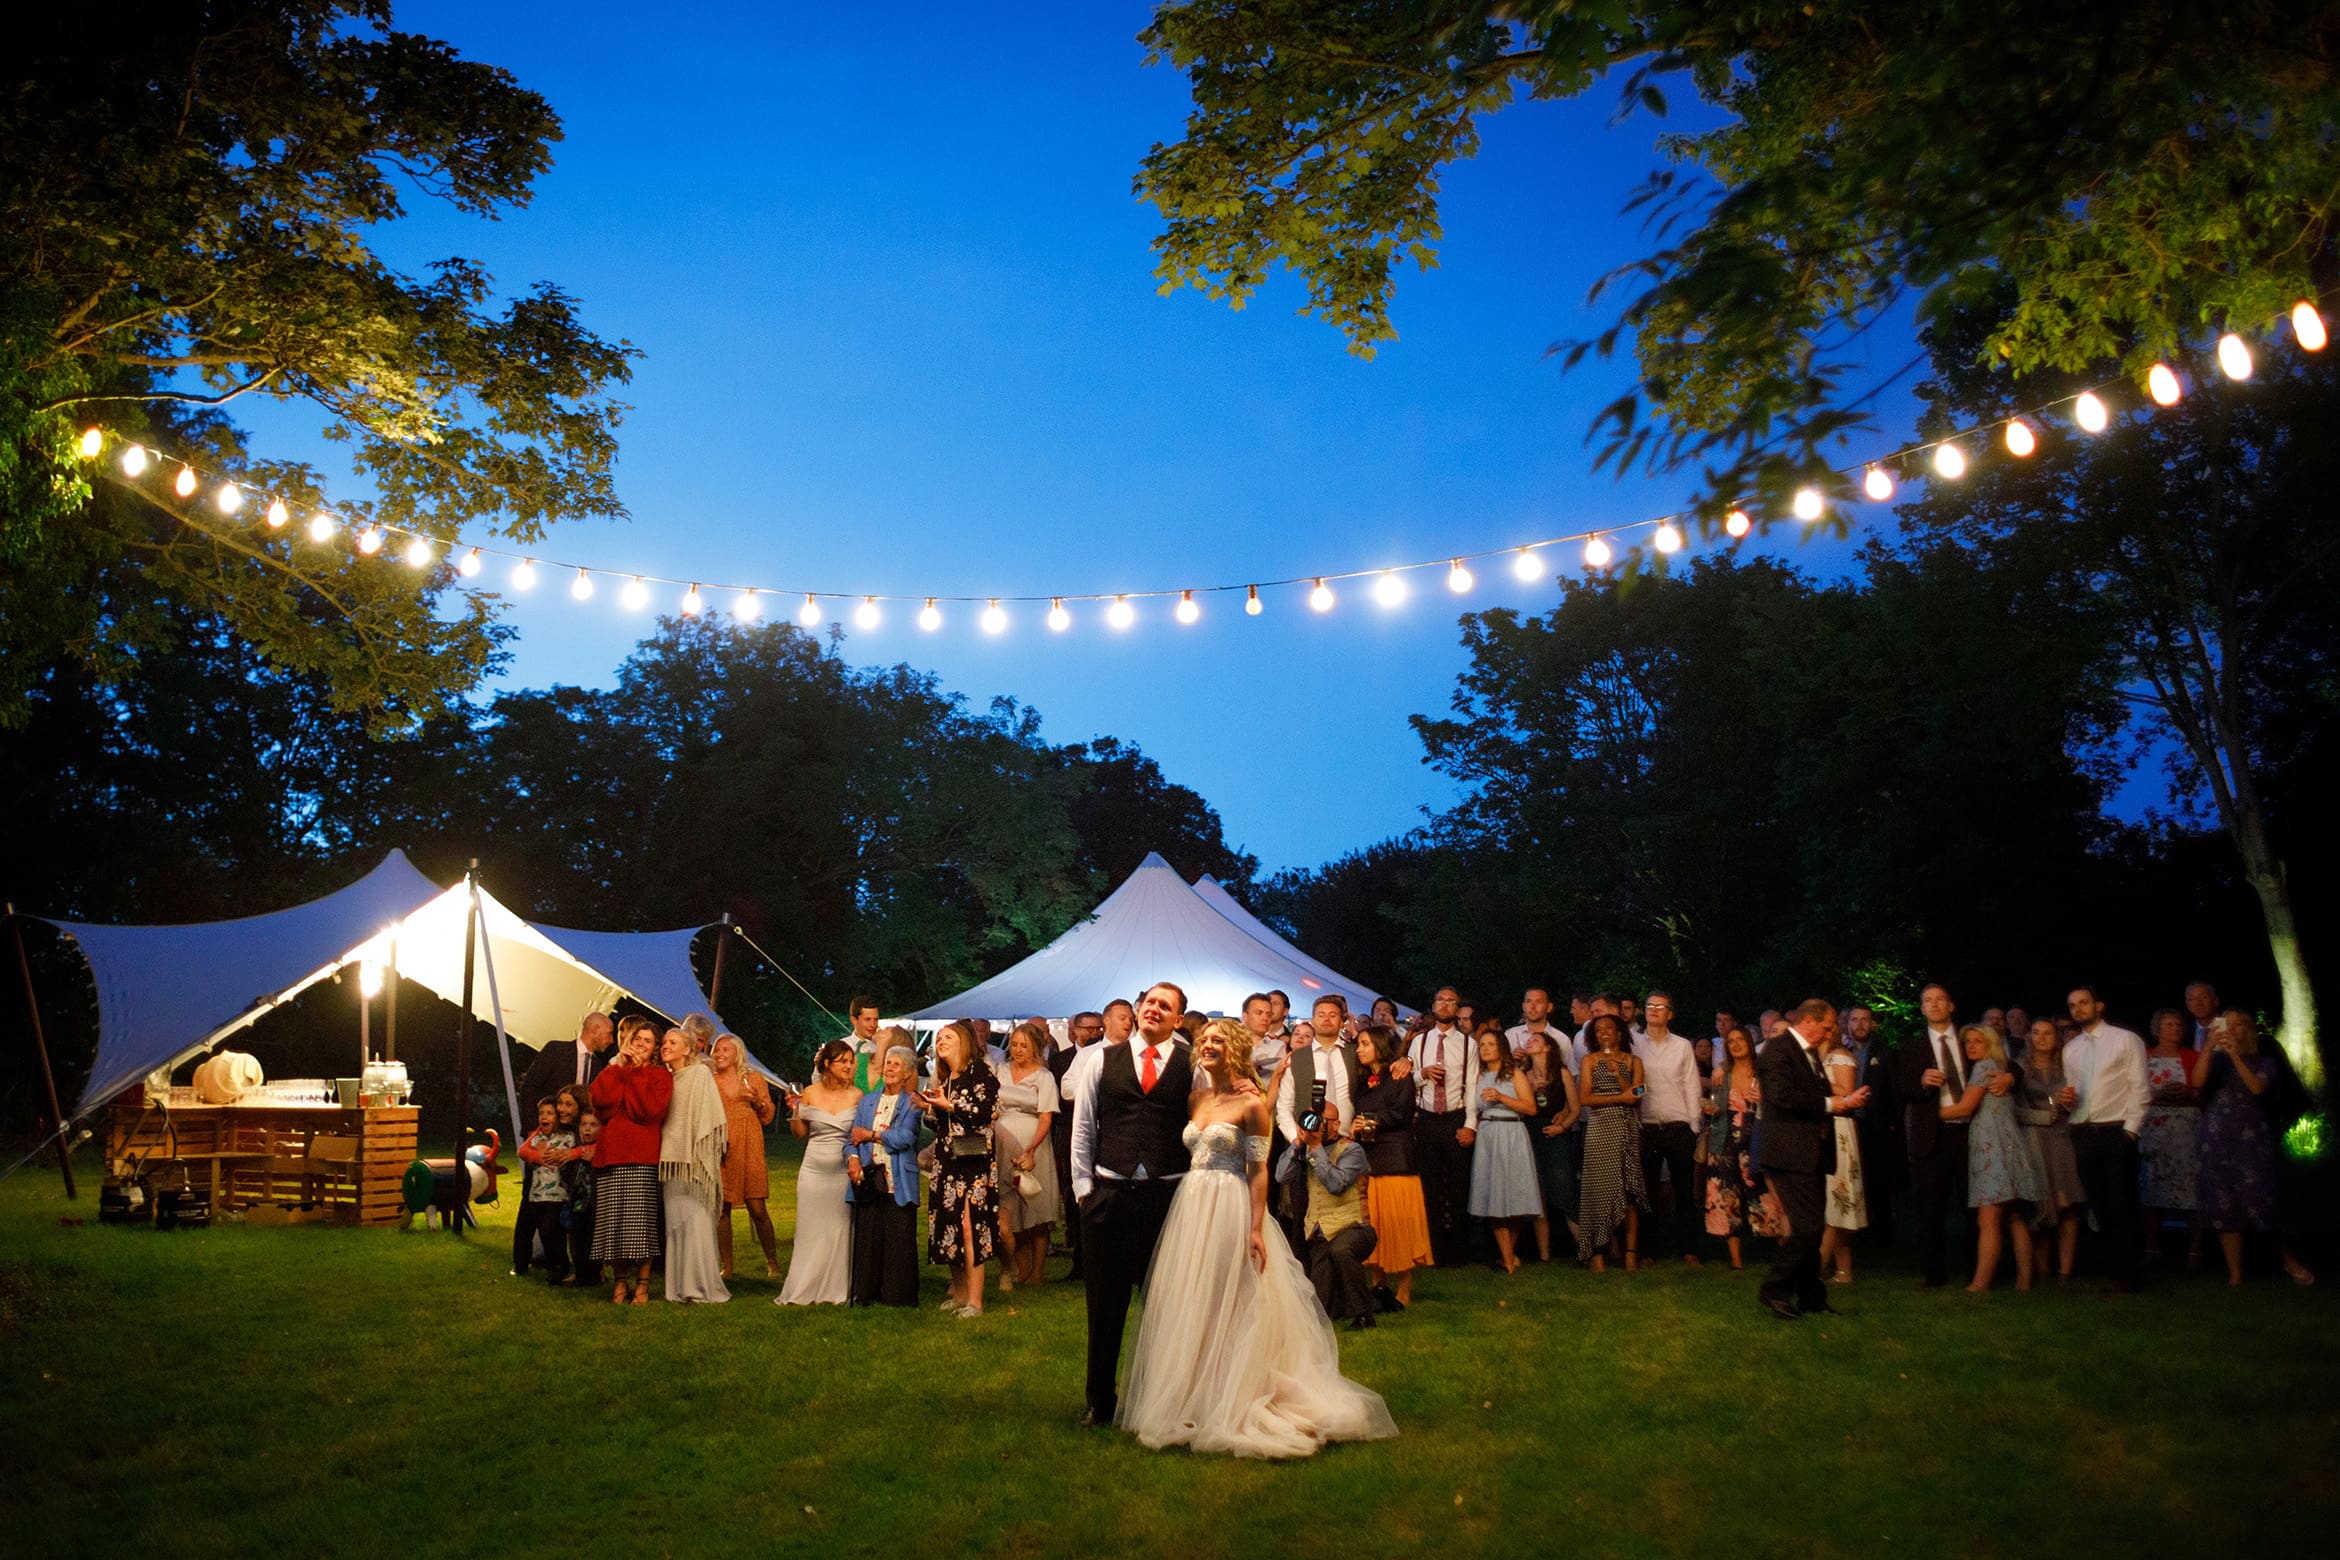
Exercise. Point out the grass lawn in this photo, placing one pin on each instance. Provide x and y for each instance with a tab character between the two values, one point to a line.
314	1391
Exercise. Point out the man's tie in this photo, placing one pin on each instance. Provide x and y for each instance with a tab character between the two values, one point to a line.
1949	1067
1146	1079
1438	1089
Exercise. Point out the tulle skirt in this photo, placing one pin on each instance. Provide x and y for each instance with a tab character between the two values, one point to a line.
1230	1359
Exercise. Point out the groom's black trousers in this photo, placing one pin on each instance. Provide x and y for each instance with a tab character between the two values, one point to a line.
1121	1221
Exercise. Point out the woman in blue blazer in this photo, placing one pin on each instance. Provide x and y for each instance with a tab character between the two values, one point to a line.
881	1158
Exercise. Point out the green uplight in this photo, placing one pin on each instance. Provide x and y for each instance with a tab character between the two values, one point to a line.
2307	1138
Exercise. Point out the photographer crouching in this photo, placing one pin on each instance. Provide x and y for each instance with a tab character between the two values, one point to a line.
1338	1238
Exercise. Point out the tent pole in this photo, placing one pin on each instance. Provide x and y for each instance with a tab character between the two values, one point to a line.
41	1043
715	982
463	1022
365	1031
390	1008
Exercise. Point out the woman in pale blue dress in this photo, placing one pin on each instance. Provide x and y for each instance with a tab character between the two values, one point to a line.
2002	1174
1504	1185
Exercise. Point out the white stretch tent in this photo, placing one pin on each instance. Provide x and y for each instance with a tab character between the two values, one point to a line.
169	993
1360	998
1153	927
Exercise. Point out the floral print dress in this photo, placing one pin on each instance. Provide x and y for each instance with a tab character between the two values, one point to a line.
2237	1178
1736	1200
963	1181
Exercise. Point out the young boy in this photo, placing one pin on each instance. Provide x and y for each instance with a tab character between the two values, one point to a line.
546	1153
578	1216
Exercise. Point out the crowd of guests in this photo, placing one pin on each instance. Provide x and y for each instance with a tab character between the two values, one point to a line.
1440	1141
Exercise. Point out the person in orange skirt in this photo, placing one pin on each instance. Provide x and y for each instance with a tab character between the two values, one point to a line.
747	1110
1384	1119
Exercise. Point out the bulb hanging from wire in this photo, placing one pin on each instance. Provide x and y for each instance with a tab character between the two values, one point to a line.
994	618
1736	523
1808	504
930	616
1390	588
810	613
1597	554
582	586
866	615
2234	356
2021	441
1667	540
1251	605
1189	610
1121	614
278	515
748	607
471	565
693	603
184	486
92	441
1527	568
524	574
320	527
1458	578
134	460
1878	484
1058	619
419	553
1950	461
369	540
2089	412
635	596
1321	598
2308	326
2161	383
231	498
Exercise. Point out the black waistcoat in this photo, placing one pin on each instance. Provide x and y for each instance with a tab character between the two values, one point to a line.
1136	1128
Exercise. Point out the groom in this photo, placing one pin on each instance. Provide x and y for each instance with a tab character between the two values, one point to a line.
1129	1111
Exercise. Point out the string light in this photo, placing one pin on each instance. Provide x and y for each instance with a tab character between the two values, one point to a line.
1527	568
994	618
1878	484
1458	578
1189	610
1737	523
582	586
471	565
134	460
1667	540
524	575
2234	356
1950	461
369	540
1390	589
930	618
92	441
748	607
1808	505
1058	619
185	485
2089	412
810	613
1121	614
2308	326
278	515
418	552
2021	441
231	498
693	603
1251	606
320	527
1597	554
2161	383
866	615
1321	598
635	596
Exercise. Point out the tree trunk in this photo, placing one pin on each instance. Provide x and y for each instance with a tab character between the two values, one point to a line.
2298	1032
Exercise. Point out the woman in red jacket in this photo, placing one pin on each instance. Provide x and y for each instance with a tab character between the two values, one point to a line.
630	1096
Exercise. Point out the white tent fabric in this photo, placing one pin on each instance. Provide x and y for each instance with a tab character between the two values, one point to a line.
1153	927
168	993
1361	998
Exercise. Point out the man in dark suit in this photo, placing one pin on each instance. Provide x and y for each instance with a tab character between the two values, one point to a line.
1083	1030
1799	1151
567	1061
1877	1124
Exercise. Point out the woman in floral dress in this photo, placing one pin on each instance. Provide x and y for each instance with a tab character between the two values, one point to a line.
1736	1204
963	1207
2168	1148
2238	1142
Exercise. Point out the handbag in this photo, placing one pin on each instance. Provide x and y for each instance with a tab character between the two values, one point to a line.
972	1144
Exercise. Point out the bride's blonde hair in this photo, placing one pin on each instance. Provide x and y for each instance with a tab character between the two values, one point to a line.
1236	1040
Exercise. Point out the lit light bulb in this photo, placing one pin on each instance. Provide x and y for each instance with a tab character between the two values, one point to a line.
92	441
1058	619
1121	614
471	565
231	498
1390	589
2089	412
370	540
369	979
1189	610
278	515
1251	604
930	616
2234	356
1808	504
1321	598
1458	578
866	615
810	613
1527	567
1878	484
1667	540
2161	382
2021	441
320	528
1950	461
994	618
693	603
635	596
524	574
185	485
748	607
134	460
2308	326
582	586
1597	554
419	552
1737	524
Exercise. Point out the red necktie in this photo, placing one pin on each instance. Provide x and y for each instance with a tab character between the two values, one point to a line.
1146	1081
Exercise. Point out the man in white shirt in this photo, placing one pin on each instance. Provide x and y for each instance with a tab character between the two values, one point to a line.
862	1014
1672	1109
1279	1015
1536	1029
2107	1095
1268	1050
1120	1019
1446	1121
1604	1003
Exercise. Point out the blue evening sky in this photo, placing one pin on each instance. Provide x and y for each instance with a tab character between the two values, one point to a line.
901	335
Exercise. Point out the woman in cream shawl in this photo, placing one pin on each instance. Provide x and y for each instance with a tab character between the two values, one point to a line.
690	1173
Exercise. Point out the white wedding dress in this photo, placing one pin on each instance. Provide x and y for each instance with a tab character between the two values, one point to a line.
1231	1359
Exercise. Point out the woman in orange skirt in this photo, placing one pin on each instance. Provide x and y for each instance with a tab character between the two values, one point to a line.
747	1109
1393	1195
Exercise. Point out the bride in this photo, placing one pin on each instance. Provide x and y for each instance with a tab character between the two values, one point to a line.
1235	1353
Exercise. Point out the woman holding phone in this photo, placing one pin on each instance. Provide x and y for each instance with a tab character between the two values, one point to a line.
2237	1176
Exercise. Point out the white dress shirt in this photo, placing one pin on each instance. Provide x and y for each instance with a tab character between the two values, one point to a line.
1268	1052
1333	1072
1459	1054
1563	1043
1669	1071
2106	1065
1949	1054
1080	1087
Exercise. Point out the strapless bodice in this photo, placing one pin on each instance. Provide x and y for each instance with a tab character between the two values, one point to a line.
1221	1147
